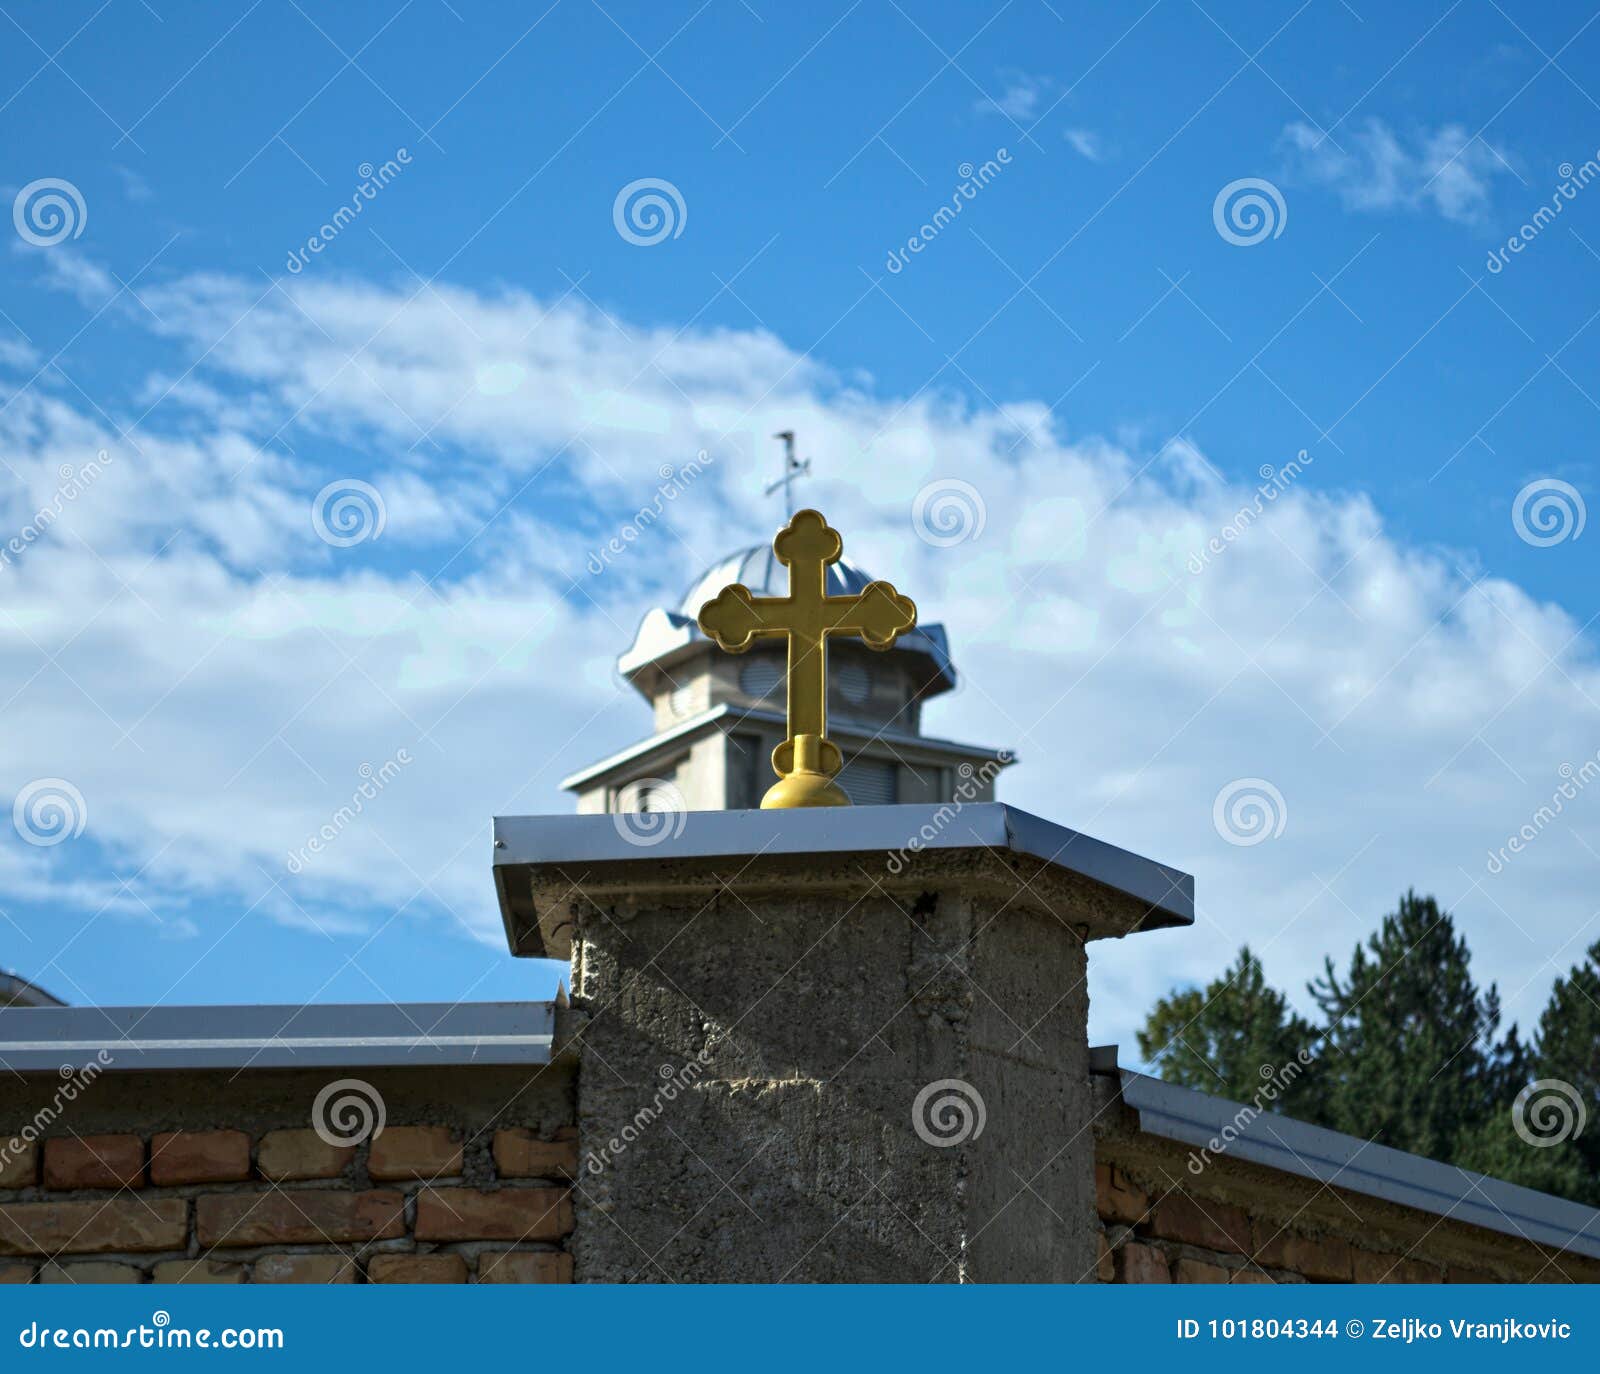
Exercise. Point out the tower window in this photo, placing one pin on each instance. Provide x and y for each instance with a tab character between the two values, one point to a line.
853	681
760	677
868	782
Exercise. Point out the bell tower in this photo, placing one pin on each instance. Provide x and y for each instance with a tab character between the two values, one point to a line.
717	717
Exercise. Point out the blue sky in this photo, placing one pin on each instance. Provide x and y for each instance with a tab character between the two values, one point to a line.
1083	345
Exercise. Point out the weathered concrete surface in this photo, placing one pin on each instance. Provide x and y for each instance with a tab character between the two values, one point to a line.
752	1056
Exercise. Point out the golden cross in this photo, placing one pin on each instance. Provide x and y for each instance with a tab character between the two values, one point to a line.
807	761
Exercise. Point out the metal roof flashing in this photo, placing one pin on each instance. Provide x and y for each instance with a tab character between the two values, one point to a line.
1295	1147
540	861
57	1040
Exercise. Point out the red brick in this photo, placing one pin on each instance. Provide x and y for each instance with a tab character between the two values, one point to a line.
1116	1198
19	1164
1371	1267
94	1161
86	1228
524	1266
307	1217
1325	1259
287	1155
415	1152
1210	1225
1456	1274
304	1269
1138	1263
100	1271
509	1214
1188	1270
417	1269
199	1157
197	1271
518	1153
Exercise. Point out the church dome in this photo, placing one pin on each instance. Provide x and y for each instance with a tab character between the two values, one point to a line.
665	635
758	568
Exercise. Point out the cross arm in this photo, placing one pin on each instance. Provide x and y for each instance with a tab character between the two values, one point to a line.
879	614
735	619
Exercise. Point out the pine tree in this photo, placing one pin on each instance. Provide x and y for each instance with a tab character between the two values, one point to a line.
1407	1056
1410	1059
1560	1153
1569	1049
1231	1038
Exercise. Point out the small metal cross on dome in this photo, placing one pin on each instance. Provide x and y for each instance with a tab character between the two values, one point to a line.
793	469
807	761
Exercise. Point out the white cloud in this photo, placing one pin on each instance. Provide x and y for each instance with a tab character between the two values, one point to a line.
1372	168
17	354
69	270
1086	143
212	676
134	186
1018	99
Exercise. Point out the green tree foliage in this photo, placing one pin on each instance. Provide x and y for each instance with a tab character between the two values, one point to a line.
1409	1057
1407	1053
1569	1049
1566	1055
1230	1038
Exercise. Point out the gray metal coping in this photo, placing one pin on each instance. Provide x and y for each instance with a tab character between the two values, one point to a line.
415	1034
1345	1161
535	841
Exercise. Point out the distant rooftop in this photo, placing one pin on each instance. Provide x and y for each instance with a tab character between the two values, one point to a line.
17	991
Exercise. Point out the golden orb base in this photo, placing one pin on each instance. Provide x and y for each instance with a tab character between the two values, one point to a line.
806	765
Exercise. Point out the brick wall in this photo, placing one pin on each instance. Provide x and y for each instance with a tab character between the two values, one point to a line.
222	1180
1237	1222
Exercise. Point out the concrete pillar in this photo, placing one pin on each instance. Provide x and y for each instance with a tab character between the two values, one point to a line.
830	1045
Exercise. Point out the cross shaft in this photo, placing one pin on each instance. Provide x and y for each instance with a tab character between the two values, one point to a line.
735	619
